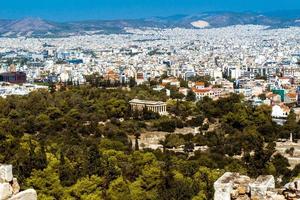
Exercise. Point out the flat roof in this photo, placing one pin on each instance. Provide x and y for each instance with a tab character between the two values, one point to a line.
147	102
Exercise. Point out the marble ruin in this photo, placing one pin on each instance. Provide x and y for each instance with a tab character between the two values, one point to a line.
154	106
9	187
290	149
233	186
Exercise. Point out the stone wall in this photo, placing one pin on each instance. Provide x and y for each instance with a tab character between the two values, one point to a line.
9	187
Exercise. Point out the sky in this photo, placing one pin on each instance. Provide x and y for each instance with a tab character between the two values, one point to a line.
71	10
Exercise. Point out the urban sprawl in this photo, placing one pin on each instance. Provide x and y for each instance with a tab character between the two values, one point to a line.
257	62
260	63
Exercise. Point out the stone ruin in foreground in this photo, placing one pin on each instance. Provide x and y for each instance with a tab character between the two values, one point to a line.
9	187
233	186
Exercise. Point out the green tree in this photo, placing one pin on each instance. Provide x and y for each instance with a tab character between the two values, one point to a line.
87	188
66	172
146	186
119	189
189	147
174	141
205	179
191	96
281	165
46	182
132	82
137	137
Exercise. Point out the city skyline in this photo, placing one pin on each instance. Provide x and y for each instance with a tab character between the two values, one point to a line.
58	10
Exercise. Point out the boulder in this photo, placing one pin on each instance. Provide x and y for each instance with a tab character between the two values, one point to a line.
6	173
224	186
29	194
273	195
5	191
261	185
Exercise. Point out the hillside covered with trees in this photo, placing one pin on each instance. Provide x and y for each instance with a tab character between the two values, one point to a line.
74	144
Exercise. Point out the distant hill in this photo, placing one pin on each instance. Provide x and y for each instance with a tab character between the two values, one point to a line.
27	26
37	27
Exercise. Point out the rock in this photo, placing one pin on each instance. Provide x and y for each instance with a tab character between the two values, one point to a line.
292	186
291	195
5	191
276	197
255	198
224	186
6	173
273	195
15	186
243	197
234	194
297	185
262	185
29	194
242	190
262	188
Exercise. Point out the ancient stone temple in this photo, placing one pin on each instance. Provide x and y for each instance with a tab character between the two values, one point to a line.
9	187
154	106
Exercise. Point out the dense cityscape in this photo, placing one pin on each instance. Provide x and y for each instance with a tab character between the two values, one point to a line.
250	60
185	111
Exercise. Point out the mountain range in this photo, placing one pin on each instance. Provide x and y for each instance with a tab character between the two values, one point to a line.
37	27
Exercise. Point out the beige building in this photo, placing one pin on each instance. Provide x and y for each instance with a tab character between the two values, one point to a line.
154	106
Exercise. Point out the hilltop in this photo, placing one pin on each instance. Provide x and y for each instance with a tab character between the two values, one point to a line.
38	27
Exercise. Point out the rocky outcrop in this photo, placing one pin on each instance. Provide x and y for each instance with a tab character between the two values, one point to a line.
233	186
9	186
230	185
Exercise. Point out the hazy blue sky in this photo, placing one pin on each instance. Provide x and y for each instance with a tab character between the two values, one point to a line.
111	9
